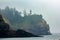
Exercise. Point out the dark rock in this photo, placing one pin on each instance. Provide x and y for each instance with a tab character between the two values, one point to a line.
22	33
34	24
6	32
4	28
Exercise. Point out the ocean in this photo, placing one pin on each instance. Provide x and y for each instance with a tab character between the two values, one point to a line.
46	37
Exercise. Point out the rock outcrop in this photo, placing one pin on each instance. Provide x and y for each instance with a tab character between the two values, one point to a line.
34	24
5	31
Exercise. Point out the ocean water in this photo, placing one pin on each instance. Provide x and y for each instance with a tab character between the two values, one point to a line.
46	37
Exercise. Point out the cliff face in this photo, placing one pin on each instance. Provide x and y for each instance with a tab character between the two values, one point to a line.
5	31
4	27
36	24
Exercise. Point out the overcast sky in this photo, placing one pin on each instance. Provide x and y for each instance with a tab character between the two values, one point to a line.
50	9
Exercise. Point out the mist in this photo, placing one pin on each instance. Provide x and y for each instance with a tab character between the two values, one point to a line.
48	8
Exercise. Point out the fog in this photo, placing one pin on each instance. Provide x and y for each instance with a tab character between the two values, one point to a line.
50	9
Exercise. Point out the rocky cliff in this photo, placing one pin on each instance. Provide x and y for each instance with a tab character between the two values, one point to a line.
6	32
34	24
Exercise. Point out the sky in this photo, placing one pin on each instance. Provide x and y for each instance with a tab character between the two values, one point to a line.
50	9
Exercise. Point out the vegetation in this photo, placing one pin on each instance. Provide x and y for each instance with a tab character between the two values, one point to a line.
34	24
